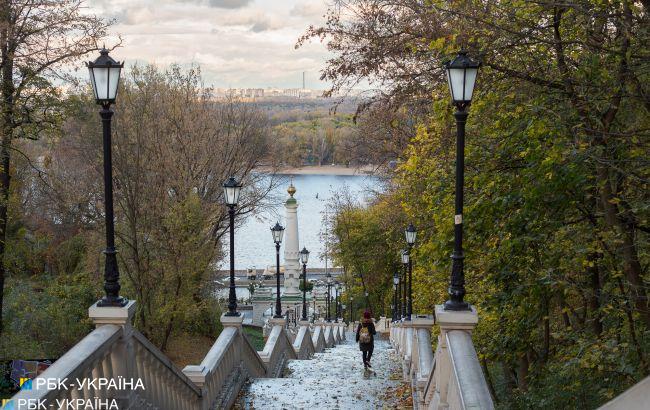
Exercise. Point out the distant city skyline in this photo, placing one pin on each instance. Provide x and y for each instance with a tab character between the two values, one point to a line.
237	43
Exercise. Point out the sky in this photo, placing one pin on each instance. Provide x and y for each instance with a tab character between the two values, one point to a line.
237	43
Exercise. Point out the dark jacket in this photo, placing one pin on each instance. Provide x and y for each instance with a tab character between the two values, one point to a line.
371	329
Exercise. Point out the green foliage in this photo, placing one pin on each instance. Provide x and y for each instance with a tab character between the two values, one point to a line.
310	286
50	306
255	337
556	185
182	298
315	141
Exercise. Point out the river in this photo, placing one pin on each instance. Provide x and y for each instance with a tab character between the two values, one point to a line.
254	247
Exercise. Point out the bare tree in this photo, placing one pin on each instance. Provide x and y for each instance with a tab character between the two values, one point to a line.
37	37
174	147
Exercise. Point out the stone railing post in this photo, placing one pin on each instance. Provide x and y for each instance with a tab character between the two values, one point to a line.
123	357
422	326
198	373
407	346
448	320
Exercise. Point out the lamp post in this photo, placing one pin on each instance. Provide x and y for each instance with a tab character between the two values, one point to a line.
395	283
304	257
329	294
337	312
277	231
398	315
405	284
461	77
231	190
410	234
351	308
105	77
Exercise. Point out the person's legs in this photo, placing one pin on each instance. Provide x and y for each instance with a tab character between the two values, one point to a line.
369	355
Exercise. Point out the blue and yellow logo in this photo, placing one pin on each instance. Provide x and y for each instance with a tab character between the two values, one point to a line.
25	383
7	404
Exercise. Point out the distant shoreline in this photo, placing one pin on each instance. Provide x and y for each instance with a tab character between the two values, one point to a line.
322	170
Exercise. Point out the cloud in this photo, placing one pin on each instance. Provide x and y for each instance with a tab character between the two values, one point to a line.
311	9
229	4
266	23
248	46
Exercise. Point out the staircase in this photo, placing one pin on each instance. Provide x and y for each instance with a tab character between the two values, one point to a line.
309	366
333	379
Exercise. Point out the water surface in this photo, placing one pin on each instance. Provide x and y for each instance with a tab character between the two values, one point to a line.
254	245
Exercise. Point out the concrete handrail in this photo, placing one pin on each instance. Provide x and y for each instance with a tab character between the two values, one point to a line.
165	384
92	357
318	339
450	379
329	337
467	386
425	354
277	350
116	353
634	398
303	345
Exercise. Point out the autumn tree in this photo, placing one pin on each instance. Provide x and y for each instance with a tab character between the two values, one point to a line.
557	177
175	145
38	39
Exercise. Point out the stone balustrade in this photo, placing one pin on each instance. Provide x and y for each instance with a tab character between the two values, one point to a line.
116	352
318	337
450	379
278	349
329	337
303	345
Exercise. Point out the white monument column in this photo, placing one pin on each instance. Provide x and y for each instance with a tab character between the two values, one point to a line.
292	270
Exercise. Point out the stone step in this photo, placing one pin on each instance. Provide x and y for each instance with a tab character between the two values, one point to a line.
334	379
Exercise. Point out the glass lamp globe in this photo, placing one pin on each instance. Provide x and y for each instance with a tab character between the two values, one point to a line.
461	77
231	190
104	75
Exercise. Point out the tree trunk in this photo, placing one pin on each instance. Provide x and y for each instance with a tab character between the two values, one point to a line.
7	131
630	323
631	265
170	323
509	378
593	272
522	372
5	180
488	377
546	323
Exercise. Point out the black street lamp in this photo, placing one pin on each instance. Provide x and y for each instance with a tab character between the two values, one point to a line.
461	76
351	308
329	295
277	231
405	285
314	294
105	78
398	315
304	257
395	283
410	233
337	307
231	190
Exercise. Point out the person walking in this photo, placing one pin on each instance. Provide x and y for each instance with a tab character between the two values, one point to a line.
366	337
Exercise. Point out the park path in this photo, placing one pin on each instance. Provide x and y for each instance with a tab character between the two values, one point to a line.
334	379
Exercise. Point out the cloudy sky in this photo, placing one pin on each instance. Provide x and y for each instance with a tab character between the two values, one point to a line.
237	43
